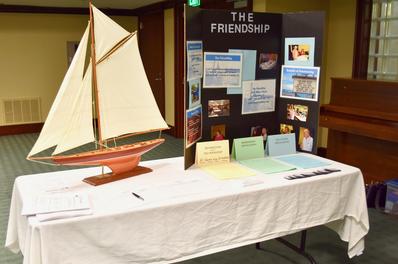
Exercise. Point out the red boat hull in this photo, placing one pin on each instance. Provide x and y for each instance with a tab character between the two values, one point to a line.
121	160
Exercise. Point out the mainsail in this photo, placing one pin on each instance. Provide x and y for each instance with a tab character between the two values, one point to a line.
61	112
126	102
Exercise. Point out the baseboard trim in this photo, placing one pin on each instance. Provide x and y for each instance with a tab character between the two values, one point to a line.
20	129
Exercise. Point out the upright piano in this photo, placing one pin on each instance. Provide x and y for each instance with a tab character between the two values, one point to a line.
362	119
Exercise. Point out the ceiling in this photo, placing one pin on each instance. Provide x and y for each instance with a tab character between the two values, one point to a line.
114	4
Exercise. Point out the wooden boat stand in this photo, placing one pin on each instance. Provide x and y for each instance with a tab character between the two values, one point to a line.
110	177
300	250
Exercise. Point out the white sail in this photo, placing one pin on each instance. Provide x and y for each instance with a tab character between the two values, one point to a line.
126	102
80	128
60	113
107	33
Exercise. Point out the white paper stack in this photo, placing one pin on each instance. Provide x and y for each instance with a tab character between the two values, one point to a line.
57	206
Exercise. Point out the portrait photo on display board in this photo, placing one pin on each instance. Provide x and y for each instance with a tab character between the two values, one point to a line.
218	132
306	140
259	131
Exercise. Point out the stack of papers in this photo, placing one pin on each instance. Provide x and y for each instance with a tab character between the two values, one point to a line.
267	165
225	171
303	161
56	206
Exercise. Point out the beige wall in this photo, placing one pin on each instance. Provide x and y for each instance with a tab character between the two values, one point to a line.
169	65
338	38
33	58
339	48
259	5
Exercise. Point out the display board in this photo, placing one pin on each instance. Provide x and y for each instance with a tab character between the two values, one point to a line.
233	66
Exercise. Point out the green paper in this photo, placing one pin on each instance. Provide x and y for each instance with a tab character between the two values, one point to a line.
267	165
248	148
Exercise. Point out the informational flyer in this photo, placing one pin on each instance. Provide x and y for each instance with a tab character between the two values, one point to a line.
299	51
258	96
248	68
300	82
194	60
222	69
194	125
194	92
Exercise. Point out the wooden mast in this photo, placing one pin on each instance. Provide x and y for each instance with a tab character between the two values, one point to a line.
94	76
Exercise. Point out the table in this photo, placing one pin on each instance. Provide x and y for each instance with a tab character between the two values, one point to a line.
185	214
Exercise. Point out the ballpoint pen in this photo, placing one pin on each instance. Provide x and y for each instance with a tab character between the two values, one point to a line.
136	195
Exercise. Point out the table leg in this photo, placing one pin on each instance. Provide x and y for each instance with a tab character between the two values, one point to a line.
300	250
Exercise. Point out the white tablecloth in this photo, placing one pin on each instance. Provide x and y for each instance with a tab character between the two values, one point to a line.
185	214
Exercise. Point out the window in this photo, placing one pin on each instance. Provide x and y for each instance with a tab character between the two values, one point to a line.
383	42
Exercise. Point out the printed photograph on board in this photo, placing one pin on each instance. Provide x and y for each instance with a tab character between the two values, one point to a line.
306	141
217	132
267	61
222	69
194	125
259	131
286	129
297	112
194	93
299	51
300	82
217	108
194	60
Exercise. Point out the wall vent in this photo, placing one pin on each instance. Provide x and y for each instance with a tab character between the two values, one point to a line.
21	110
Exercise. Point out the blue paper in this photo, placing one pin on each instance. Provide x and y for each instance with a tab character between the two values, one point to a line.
283	144
248	68
303	161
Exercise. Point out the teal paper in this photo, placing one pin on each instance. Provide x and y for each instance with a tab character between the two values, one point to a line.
248	148
303	161
248	68
283	144
267	165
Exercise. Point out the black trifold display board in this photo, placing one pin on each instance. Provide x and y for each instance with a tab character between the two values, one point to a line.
200	26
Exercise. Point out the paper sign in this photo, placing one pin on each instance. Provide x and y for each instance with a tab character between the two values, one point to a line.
282	144
300	83
258	96
248	68
212	152
248	148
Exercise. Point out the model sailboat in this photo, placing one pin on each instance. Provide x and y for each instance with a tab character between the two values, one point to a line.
115	88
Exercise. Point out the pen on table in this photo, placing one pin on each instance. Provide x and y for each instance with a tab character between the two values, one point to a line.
136	195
